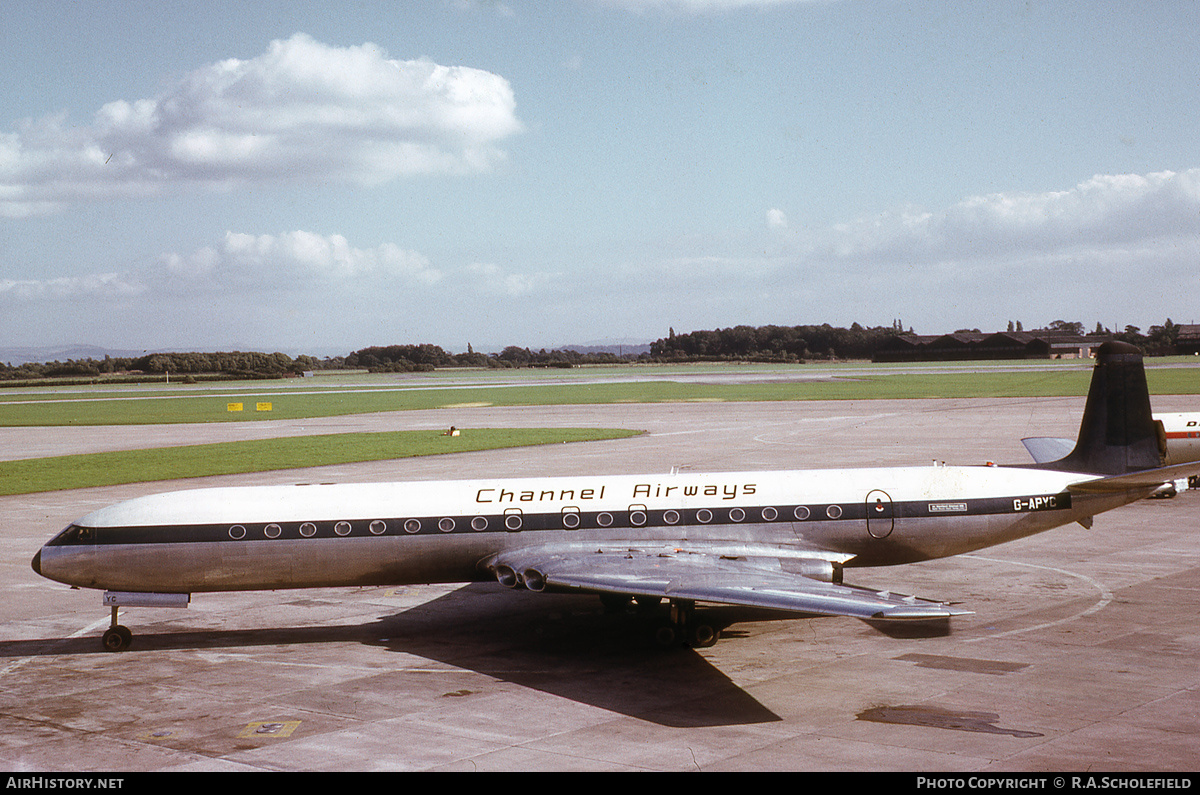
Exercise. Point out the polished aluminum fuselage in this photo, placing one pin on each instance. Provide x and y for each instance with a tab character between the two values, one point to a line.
1183	436
398	533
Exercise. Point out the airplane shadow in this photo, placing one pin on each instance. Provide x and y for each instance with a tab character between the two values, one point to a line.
569	646
572	647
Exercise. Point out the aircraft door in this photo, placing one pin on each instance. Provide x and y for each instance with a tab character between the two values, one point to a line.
881	519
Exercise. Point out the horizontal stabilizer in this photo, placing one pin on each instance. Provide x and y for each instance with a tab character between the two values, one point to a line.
1045	449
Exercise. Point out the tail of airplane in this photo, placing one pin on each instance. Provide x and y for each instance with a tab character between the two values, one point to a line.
1118	434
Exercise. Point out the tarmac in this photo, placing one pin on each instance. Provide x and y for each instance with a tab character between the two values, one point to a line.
1080	655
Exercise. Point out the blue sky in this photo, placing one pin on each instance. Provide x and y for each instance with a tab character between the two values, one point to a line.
319	177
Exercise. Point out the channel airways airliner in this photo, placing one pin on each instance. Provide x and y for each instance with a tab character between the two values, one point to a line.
778	540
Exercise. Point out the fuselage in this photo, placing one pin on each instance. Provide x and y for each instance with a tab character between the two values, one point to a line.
269	537
1183	436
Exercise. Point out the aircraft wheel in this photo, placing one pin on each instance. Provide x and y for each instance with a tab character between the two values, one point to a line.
704	636
666	637
117	638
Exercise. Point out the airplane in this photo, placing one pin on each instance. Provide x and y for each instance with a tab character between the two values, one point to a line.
769	539
1182	432
1179	434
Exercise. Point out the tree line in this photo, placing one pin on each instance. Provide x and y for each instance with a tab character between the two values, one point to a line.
773	343
737	343
419	358
234	364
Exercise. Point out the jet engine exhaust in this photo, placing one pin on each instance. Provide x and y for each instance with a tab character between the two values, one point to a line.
507	577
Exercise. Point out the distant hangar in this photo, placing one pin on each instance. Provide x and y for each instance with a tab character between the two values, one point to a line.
1038	344
970	345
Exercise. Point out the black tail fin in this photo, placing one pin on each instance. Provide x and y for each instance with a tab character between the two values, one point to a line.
1118	433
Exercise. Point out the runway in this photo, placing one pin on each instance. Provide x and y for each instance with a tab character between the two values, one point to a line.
1080	655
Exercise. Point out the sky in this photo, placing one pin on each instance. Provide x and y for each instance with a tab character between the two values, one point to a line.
318	177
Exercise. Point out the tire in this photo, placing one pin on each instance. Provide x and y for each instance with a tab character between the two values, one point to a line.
116	638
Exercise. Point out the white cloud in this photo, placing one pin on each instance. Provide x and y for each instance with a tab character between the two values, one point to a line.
292	261
71	288
776	219
490	279
1116	248
1106	210
302	110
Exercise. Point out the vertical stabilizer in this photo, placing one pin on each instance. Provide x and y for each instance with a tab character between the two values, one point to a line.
1118	434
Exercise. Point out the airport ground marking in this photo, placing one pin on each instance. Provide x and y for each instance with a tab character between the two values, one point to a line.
273	730
1106	596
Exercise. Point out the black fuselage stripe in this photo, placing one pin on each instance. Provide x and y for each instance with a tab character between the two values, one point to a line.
515	521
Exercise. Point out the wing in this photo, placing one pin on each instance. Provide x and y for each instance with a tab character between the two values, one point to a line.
756	577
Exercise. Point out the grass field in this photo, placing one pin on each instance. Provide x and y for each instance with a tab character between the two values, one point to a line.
361	393
138	466
212	404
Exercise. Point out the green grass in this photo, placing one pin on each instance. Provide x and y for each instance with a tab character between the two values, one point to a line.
227	458
163	405
357	394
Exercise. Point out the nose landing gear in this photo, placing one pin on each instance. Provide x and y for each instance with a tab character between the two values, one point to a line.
117	637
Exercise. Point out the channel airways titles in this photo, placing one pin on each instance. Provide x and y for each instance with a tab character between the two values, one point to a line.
726	491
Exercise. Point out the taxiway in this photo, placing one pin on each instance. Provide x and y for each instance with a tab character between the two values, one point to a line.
1080	655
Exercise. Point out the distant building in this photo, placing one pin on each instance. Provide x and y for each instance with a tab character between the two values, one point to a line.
973	346
1188	341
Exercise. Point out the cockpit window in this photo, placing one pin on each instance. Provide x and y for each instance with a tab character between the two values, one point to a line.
73	534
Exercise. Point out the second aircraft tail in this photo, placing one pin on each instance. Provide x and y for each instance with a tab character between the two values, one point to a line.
1118	434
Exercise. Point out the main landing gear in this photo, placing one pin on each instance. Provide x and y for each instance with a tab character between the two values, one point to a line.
683	625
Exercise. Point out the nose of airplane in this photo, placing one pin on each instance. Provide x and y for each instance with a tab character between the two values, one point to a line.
37	562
